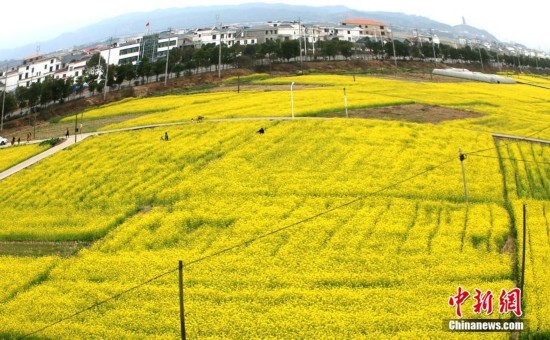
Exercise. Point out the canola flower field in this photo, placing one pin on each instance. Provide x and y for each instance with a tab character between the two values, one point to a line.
382	264
513	109
14	155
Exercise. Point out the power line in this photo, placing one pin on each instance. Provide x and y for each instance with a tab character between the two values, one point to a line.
506	144
512	159
247	242
317	215
252	240
100	303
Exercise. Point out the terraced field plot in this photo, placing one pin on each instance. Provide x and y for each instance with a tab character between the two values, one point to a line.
383	263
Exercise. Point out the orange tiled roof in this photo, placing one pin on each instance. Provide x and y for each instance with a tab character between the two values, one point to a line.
32	56
363	22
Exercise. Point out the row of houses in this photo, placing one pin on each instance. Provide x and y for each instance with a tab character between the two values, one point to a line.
36	68
154	46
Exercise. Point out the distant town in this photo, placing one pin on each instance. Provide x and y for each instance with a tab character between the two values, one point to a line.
154	46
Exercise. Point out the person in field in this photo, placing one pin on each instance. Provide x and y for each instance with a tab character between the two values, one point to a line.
67	134
261	131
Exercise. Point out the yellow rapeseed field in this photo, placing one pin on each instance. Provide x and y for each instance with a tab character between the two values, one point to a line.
13	155
394	240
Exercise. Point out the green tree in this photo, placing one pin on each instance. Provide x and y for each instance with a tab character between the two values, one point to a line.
189	66
33	95
201	57
47	91
79	85
144	69
95	65
270	49
130	73
112	72
345	48
120	74
290	49
178	69
21	95
158	68
10	103
329	49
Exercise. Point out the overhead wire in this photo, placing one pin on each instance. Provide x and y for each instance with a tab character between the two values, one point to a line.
506	144
99	303
511	159
286	227
241	244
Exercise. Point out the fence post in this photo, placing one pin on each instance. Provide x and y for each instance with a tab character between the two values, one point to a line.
182	314
523	252
346	103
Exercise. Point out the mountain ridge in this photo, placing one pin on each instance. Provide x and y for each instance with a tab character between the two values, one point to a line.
203	16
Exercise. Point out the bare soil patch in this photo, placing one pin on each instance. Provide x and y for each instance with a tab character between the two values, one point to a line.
41	248
233	88
417	113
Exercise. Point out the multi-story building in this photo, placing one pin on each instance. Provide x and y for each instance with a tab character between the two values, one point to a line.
132	50
10	78
74	66
36	67
368	28
288	30
260	34
213	35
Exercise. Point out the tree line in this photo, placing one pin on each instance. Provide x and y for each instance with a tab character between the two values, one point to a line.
188	60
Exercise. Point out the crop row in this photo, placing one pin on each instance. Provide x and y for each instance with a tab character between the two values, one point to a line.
382	266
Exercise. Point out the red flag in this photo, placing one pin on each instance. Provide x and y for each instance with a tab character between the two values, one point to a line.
147	24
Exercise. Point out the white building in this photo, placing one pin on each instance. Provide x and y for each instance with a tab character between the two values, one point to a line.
369	28
347	33
213	35
132	50
288	30
74	67
35	68
10	78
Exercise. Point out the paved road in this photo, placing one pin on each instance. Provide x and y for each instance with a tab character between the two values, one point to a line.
71	140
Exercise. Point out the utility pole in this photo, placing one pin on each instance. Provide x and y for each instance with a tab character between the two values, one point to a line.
433	48
300	43
107	70
167	56
393	45
182	312
4	98
313	44
480	58
498	62
305	42
220	49
99	65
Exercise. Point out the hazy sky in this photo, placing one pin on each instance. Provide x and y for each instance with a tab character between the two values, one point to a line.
524	21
